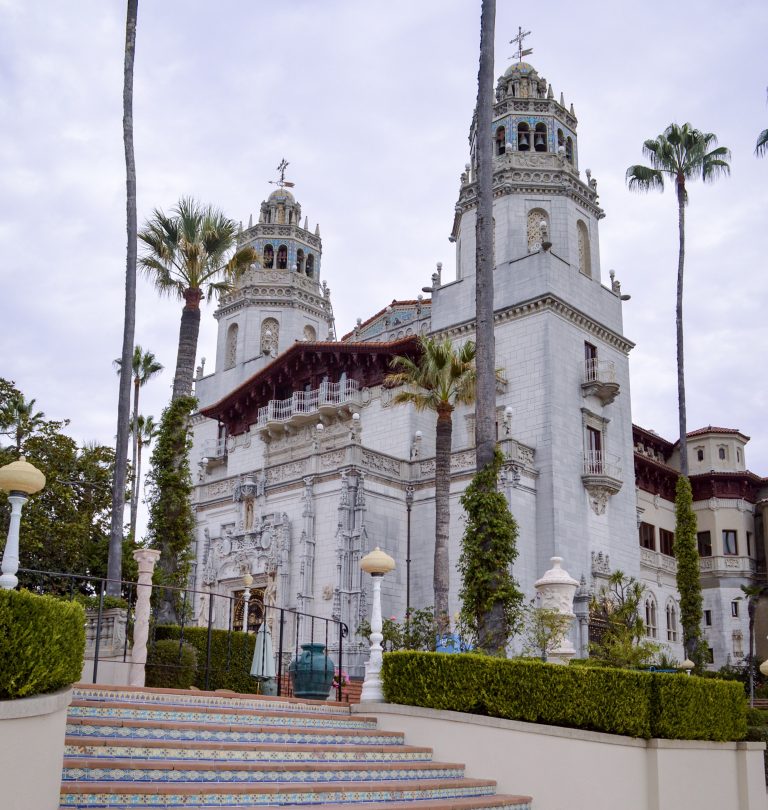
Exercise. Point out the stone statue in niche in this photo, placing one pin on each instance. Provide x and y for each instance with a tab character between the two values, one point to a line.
248	519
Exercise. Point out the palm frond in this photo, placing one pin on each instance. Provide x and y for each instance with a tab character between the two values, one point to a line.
761	148
644	178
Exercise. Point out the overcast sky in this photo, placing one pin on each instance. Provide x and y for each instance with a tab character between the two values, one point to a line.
371	104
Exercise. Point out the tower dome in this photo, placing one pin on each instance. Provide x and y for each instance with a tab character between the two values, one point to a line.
282	195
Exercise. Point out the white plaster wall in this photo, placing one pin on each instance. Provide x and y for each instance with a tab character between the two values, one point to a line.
568	768
32	750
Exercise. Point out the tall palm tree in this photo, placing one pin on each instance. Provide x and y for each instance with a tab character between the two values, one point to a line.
144	429
144	366
485	422
115	557
443	378
680	153
190	254
19	419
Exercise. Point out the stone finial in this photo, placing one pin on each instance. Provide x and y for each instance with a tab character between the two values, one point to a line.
550	94
250	221
562	99
261	217
556	590
317	229
306	223
572	111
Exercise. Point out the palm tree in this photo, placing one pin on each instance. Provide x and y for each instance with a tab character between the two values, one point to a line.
485	422
115	557
191	254
145	430
761	149
19	419
144	367
753	594
443	378
680	153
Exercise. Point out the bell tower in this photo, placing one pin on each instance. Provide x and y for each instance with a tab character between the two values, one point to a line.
278	301
559	333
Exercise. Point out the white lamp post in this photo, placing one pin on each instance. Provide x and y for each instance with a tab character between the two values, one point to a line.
247	581
377	563
20	479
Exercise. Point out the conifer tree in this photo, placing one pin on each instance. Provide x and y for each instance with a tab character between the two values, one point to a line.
688	573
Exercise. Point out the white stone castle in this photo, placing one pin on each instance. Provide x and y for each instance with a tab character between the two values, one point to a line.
303	464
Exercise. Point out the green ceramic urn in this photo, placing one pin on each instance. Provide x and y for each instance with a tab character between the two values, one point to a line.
312	672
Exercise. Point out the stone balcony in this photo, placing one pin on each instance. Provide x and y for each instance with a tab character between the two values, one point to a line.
727	566
658	561
308	406
601	477
600	380
215	452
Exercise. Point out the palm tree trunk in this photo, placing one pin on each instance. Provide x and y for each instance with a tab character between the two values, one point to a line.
485	409
188	333
442	570
134	453
136	485
679	324
115	557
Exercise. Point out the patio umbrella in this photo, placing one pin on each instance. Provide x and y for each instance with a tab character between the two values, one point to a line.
263	665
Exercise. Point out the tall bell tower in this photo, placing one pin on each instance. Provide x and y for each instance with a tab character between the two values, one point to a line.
559	333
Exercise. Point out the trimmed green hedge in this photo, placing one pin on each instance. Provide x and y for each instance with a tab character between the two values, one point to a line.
637	704
234	646
170	667
42	644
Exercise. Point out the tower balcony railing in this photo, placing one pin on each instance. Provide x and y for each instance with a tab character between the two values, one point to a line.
600	380
601	464
215	449
308	403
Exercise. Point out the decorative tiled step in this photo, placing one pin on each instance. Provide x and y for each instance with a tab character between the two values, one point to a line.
173	771
208	714
120	795
194	698
110	750
223	732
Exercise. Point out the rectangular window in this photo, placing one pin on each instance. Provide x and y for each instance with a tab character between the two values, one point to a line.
590	361
738	644
648	536
707	618
735	609
749	544
730	544
705	544
667	542
710	656
594	451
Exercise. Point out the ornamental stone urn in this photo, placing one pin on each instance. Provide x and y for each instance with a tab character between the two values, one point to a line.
556	590
312	672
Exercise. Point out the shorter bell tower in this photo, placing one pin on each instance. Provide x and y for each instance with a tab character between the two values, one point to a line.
278	301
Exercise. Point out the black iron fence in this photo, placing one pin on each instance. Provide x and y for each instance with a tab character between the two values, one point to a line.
226	617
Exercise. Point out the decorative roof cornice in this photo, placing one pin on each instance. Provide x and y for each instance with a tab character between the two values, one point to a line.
549	303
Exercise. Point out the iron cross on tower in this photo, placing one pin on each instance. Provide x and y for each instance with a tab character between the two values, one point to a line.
282	182
518	40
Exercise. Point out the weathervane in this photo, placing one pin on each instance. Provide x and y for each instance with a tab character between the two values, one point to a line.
518	40
282	182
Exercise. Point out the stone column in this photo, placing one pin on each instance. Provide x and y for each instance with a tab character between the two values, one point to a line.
556	590
372	690
146	558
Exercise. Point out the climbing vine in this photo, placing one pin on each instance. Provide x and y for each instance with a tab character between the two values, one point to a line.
491	603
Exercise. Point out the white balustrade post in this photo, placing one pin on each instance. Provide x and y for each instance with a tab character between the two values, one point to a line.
9	580
146	559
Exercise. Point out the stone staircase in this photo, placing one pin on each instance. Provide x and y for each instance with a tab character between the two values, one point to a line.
128	748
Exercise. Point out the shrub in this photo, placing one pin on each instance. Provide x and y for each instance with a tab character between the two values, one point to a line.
638	704
92	602
170	665
231	656
42	641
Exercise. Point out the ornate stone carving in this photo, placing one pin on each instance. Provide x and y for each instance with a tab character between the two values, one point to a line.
601	564
270	335
332	459
293	469
598	497
217	488
380	463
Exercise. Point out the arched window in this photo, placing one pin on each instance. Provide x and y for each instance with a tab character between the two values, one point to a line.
569	149
269	257
560	141
309	333
540	138
700	454
523	137
230	352
650	618
270	335
537	216
282	257
501	141
585	257
671	621
300	260
310	265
